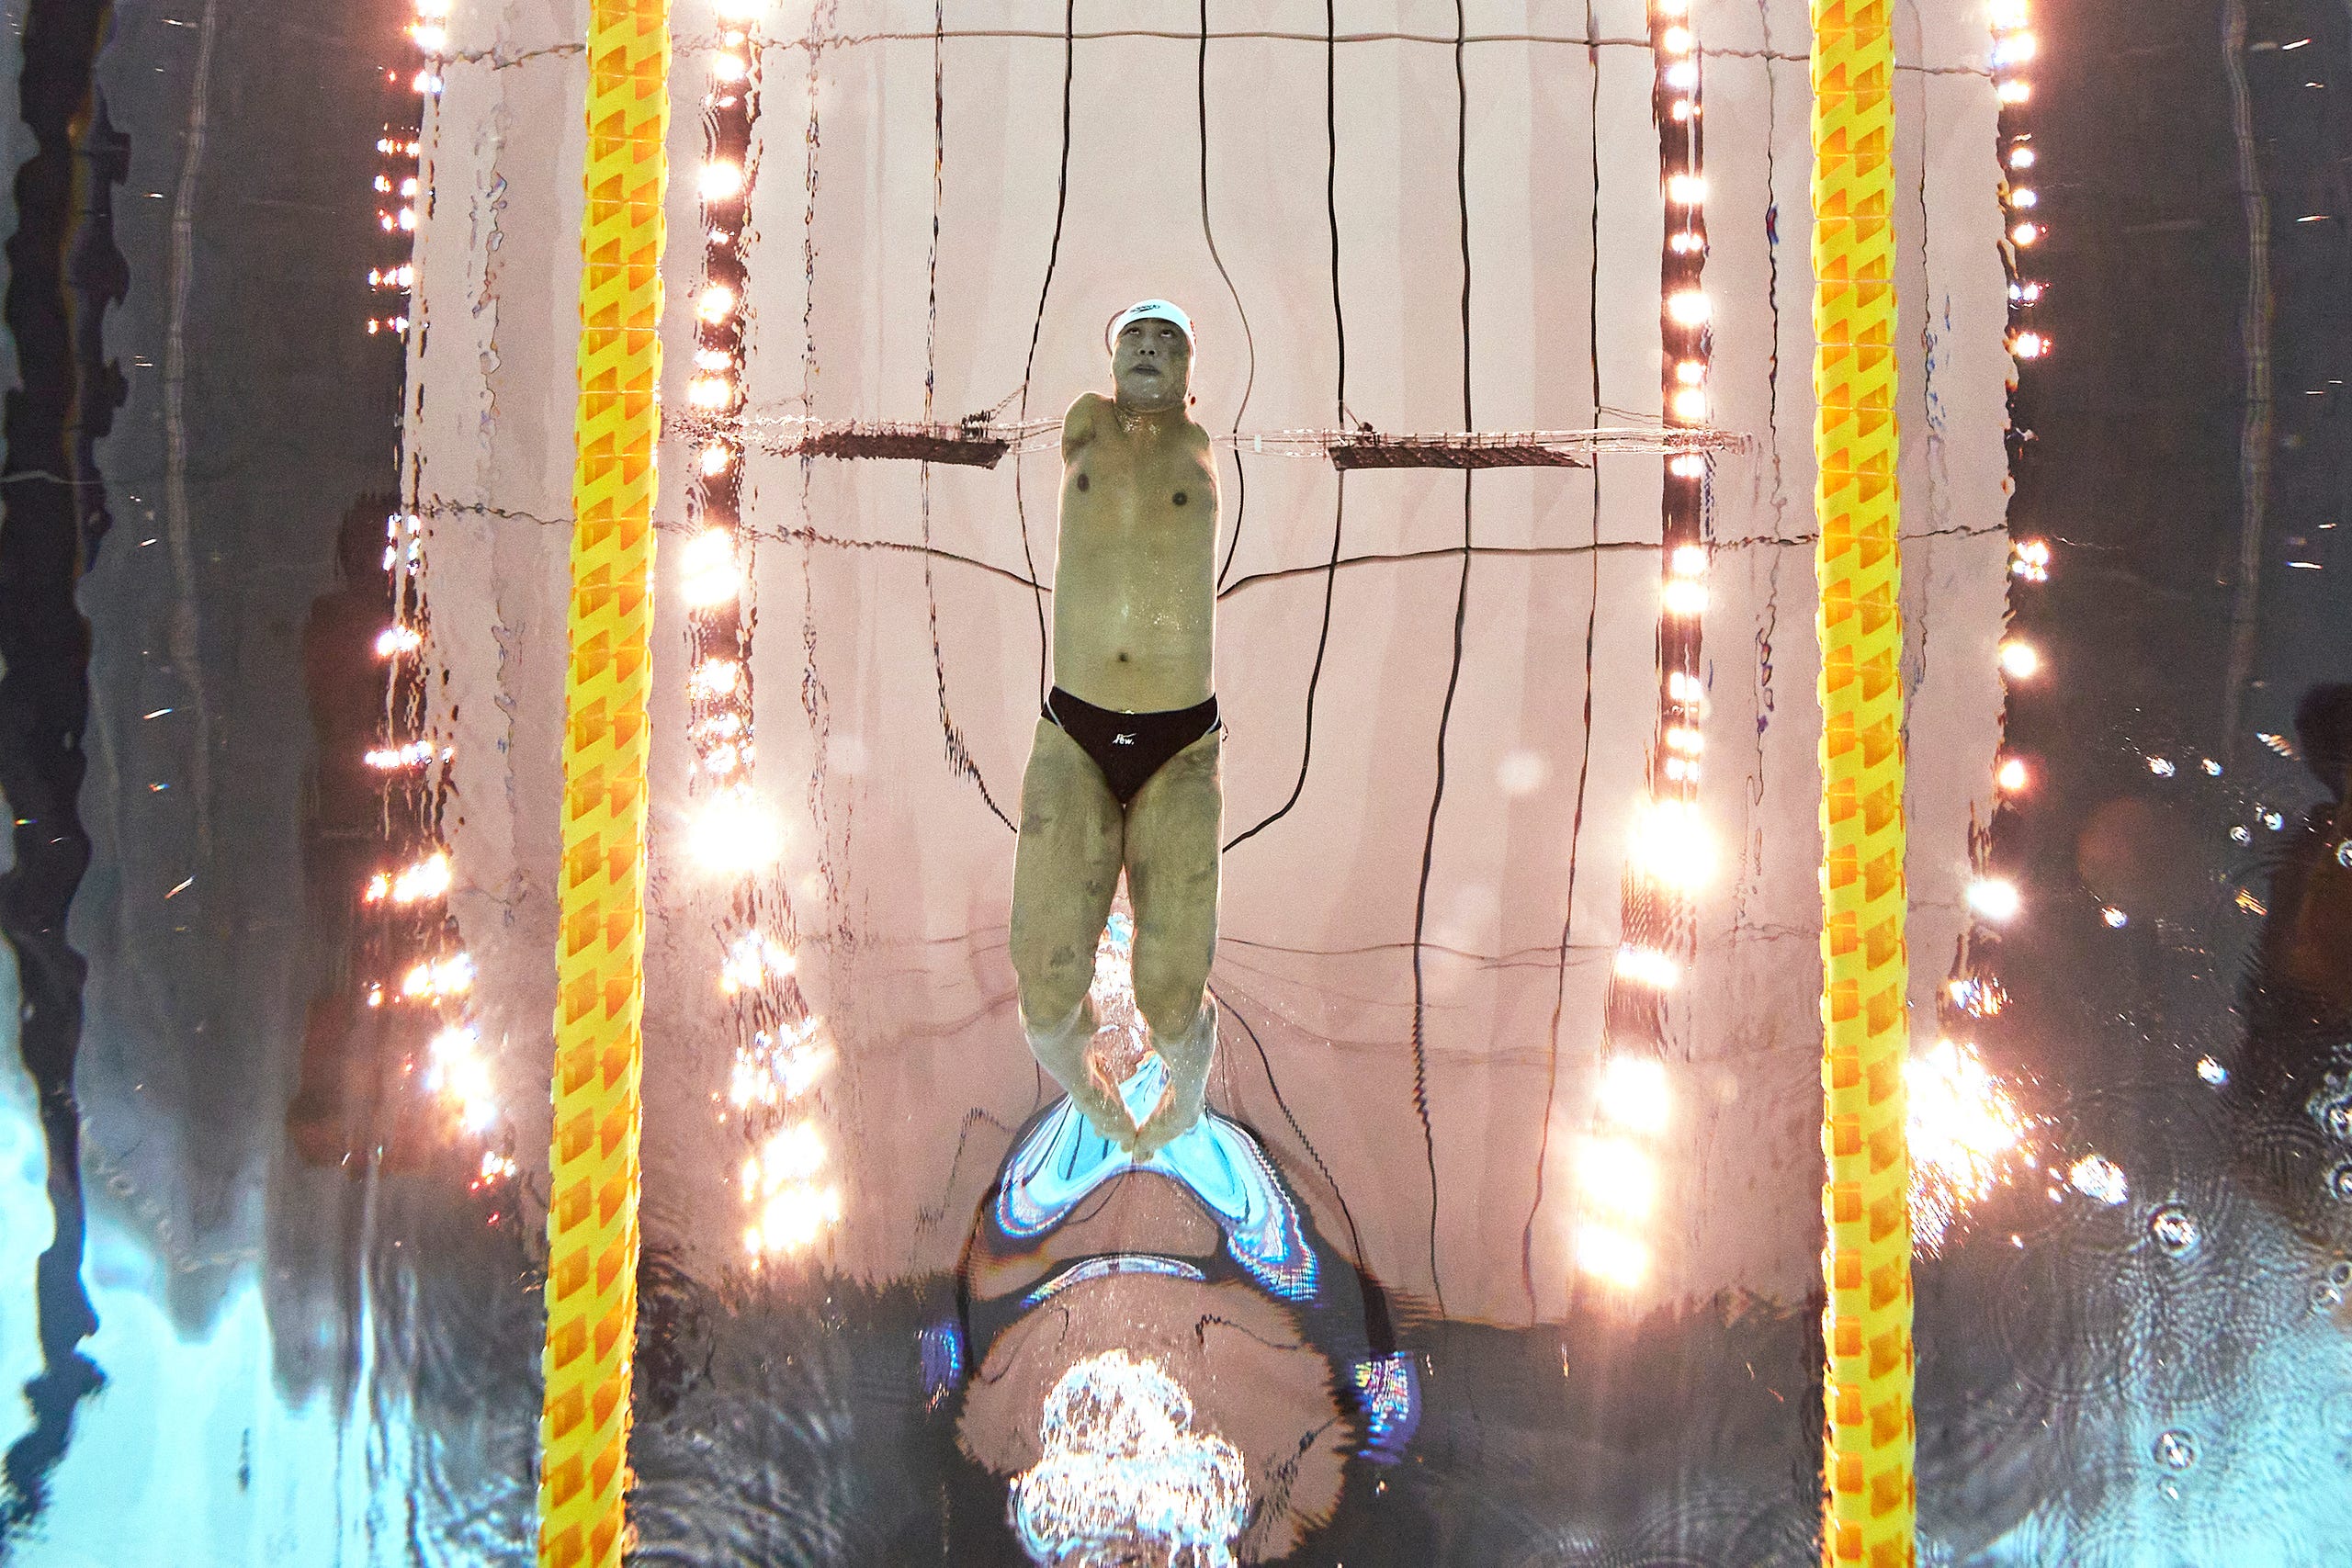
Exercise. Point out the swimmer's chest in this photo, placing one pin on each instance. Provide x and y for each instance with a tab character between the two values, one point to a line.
1160	499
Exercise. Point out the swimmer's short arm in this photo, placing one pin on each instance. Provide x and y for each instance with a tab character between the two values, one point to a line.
1078	423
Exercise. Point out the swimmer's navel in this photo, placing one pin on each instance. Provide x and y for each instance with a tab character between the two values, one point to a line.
1082	481
1180	498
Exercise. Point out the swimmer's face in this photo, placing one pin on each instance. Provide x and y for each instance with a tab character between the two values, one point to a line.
1151	363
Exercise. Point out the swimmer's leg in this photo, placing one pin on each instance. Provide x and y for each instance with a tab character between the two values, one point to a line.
1175	838
1064	872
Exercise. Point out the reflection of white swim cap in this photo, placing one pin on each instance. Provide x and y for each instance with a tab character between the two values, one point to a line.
1158	309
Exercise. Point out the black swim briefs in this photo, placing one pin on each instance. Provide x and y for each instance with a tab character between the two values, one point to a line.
1128	747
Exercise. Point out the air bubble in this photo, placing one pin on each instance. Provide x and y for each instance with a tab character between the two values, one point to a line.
2330	1106
2344	853
2238	835
2175	1450
2339	1183
2174	1230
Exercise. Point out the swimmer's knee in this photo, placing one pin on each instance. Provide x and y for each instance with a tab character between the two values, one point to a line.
1050	984
1169	996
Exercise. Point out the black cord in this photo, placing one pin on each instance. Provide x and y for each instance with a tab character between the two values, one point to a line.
1053	258
1340	506
1584	765
1454	675
960	760
1241	469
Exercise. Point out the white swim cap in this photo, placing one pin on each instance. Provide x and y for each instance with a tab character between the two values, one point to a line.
1158	309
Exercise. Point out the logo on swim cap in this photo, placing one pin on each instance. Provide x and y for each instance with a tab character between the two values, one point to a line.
1156	310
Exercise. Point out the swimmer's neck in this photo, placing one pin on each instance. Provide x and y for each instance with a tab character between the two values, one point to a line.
1155	417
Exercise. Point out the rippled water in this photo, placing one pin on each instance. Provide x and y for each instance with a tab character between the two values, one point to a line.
272	1256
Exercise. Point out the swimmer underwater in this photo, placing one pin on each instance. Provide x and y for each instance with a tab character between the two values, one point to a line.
1124	771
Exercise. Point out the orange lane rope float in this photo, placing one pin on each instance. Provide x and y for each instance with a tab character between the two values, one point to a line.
1870	1503
593	1203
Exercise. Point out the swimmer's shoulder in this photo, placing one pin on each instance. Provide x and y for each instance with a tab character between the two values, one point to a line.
1079	424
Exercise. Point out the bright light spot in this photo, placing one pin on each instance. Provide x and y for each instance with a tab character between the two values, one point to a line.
793	1155
2008	15
1689	560
1689	403
1980	996
2162	767
1681	596
1634	1093
430	37
1648	966
794	1219
2211	1071
450	977
729	68
721	182
1685	242
2028	345
1616	1177
1687	308
2012	774
2114	917
2015	50
2021	157
754	959
1690	372
1994	898
1683	738
1675	40
710	392
715	678
714	303
1672	845
2016	90
716	458
2029	558
1612	1255
1685	687
1678	111
1682	74
1688	466
428	878
709	566
2025	196
2099	1178
398	640
2019	660
734	833
2026	233
1963	1127
1686	190
1521	772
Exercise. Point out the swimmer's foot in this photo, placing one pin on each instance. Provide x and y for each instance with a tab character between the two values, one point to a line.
1188	1057
1062	1052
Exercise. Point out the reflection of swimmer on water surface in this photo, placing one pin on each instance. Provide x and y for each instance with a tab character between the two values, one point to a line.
346	1104
1188	1291
2297	995
1124	775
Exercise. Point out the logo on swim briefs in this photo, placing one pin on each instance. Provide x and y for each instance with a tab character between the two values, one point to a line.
1127	740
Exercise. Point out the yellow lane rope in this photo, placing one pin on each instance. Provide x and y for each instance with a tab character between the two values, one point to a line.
600	959
1869	1500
